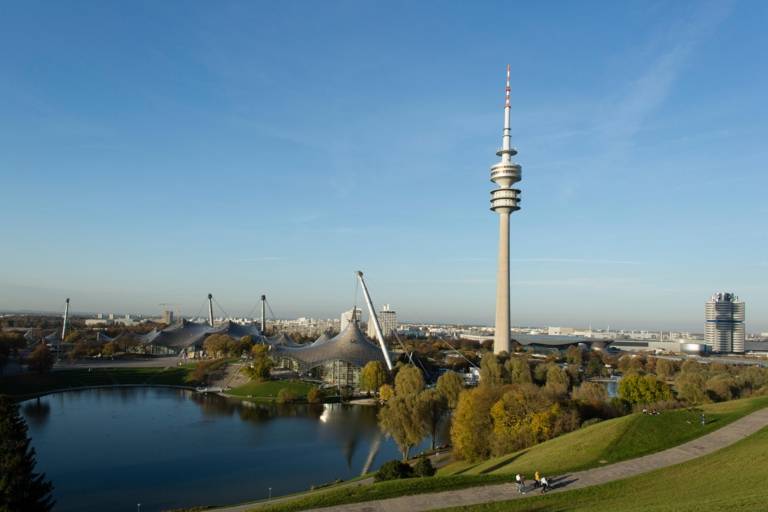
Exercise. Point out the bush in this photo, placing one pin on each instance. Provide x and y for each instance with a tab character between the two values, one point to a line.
286	396
314	395
424	467
393	470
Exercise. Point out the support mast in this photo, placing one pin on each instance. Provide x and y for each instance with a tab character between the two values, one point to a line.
263	315
373	318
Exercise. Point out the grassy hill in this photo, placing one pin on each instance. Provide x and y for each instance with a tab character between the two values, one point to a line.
612	441
731	479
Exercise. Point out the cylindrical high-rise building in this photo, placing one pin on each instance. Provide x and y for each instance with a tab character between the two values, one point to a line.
504	201
724	323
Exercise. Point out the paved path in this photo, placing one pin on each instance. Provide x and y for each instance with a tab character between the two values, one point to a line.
709	443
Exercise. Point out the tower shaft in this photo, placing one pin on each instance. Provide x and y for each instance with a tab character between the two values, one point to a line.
501	333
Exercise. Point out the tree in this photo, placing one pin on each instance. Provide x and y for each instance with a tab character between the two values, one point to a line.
524	416
573	355
665	369
108	350
41	359
409	381
10	343
690	386
432	408
373	376
490	370
519	370
591	393
386	393
472	426
450	385
721	387
400	419
557	380
286	396
595	366
262	364
216	345
20	487
643	389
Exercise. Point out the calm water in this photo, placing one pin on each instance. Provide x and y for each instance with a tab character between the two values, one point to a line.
109	449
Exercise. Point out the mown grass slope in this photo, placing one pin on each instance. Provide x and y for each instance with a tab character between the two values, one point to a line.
612	440
731	479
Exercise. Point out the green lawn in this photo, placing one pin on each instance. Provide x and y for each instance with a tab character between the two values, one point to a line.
731	479
611	441
31	383
270	389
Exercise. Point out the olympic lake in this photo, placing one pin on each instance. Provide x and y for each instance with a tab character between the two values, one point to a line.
164	448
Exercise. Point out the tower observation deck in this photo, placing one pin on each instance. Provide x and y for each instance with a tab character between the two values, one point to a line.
504	201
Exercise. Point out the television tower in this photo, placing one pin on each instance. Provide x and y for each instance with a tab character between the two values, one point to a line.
504	201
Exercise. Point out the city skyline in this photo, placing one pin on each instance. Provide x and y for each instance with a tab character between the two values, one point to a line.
187	161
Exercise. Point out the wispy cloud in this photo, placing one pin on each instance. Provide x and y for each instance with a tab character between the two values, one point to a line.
652	87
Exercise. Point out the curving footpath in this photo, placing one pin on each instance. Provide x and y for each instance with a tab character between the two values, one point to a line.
704	445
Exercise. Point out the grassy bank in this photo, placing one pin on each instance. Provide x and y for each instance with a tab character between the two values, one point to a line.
731	479
31	383
269	389
612	441
606	442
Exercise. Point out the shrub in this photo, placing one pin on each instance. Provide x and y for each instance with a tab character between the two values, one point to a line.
424	467
286	396
393	470
314	395
591	422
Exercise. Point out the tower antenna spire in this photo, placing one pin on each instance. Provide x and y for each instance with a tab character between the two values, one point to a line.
506	103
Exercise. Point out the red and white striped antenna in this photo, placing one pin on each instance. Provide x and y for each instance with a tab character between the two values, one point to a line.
506	104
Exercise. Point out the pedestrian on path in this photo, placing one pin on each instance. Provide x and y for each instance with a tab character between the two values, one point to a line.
544	485
520	483
536	479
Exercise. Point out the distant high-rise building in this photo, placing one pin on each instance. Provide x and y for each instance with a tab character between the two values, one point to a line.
387	321
349	316
167	317
724	323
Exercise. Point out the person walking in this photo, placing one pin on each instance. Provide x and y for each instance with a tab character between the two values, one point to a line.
520	483
536	479
544	485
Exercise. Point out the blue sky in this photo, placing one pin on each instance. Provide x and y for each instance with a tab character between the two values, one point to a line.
151	152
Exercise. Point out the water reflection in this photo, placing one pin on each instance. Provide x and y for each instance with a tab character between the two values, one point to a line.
36	412
203	448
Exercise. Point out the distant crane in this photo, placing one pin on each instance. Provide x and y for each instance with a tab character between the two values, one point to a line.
375	320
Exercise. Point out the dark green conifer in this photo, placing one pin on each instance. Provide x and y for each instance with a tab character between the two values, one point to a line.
20	487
